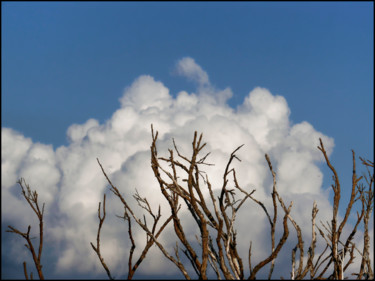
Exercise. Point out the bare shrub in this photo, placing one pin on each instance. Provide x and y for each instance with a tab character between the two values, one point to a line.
214	217
217	240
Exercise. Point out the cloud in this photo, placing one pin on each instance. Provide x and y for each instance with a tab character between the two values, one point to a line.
146	93
189	68
70	181
207	93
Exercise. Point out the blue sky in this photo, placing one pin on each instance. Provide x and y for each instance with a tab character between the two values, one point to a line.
66	62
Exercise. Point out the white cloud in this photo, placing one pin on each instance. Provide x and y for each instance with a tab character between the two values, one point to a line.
189	68
71	183
14	146
207	93
78	132
146	93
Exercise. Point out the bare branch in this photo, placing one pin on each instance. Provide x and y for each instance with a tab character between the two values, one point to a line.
97	248
32	198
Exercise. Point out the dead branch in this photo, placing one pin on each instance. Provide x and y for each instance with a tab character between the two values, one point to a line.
32	199
97	248
152	237
184	182
337	255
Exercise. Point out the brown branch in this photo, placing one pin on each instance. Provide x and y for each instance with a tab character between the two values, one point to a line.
333	232
284	237
25	271
32	198
311	252
143	203
336	201
278	247
224	258
367	198
97	248
273	224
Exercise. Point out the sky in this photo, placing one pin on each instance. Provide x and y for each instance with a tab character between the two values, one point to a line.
82	80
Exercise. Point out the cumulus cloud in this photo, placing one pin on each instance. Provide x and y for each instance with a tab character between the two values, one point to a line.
207	93
189	68
70	181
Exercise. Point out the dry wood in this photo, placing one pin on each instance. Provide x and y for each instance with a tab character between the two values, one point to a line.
185	182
